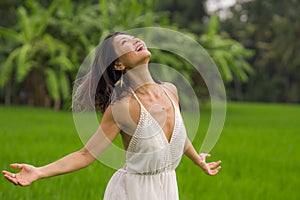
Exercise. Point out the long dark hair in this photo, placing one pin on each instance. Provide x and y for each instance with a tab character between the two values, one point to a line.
94	90
104	63
97	89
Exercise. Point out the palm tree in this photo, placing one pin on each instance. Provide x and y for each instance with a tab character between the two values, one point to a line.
37	68
229	55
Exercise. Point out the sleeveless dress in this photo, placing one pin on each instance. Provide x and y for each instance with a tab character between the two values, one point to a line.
149	172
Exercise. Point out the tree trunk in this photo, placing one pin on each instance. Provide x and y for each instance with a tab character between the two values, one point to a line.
57	104
36	90
238	89
8	93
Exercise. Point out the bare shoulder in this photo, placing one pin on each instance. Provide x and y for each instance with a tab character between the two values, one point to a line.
171	88
120	106
125	112
107	116
108	123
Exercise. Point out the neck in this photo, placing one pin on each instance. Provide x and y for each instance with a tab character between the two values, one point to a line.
139	77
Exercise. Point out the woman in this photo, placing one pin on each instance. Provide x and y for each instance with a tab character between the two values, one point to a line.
145	113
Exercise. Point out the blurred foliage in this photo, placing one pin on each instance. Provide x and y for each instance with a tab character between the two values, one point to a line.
272	29
43	45
228	54
36	53
188	15
44	49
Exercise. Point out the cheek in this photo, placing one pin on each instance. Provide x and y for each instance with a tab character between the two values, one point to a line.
124	50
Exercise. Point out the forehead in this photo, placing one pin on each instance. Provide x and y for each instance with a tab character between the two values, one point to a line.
121	37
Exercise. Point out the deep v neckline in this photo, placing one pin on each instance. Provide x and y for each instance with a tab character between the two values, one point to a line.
161	128
143	109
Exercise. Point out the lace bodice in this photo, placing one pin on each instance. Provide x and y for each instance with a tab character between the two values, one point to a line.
149	151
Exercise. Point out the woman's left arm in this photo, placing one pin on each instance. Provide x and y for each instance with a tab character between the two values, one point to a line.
211	168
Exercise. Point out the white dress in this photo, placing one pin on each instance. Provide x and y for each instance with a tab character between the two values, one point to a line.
149	172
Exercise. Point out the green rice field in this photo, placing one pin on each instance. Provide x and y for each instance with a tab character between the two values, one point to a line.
259	148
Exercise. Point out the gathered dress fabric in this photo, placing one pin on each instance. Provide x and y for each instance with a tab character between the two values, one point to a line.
151	160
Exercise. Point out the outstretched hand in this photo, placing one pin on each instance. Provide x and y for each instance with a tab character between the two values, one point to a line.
27	175
211	168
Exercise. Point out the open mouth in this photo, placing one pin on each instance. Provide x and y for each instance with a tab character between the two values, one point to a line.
140	47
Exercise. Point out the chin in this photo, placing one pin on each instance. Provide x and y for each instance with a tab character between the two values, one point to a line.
144	55
147	54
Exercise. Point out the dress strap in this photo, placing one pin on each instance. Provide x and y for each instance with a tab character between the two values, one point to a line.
135	96
138	100
169	96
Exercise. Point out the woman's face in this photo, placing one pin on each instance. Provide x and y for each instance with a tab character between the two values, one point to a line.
131	51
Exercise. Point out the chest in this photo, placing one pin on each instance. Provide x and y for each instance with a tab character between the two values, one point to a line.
159	108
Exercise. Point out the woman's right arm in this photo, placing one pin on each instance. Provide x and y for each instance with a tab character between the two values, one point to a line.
106	133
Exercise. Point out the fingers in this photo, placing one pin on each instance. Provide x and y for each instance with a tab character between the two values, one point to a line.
17	166
9	174
10	177
207	155
211	168
215	171
204	155
214	164
13	180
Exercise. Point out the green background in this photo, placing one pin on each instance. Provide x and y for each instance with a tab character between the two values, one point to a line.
259	149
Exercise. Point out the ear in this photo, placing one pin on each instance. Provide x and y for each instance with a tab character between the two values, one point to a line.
119	66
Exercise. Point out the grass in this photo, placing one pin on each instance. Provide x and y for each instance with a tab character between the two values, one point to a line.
259	149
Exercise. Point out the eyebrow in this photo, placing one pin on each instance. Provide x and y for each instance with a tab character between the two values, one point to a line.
124	38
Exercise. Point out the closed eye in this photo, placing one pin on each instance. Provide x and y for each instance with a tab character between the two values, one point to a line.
126	39
123	42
